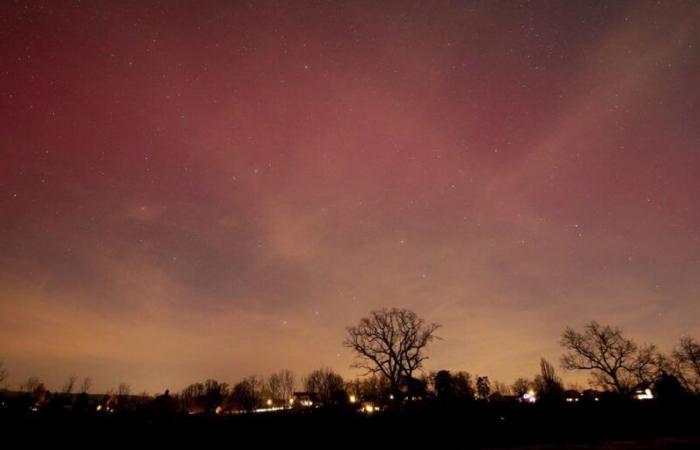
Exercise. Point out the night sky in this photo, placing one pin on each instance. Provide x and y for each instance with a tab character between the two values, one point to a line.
216	189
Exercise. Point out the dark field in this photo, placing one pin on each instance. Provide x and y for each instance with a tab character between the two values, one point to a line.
624	425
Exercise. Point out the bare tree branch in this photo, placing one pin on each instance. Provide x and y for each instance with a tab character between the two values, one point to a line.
617	363
685	362
391	342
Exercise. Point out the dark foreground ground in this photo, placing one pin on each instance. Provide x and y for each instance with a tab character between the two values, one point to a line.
628	425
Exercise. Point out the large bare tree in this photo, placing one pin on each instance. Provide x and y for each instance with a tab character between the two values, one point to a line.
391	342
686	362
617	363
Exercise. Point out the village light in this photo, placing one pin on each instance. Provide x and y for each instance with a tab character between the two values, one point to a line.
291	401
529	397
645	395
269	402
353	399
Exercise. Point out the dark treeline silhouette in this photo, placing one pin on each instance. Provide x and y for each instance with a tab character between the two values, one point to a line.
635	392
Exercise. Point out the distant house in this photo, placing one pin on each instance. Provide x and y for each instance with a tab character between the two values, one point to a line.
591	395
572	396
306	399
643	394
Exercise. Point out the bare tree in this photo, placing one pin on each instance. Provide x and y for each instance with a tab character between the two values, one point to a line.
500	388
214	395
36	389
243	396
123	390
547	384
192	397
70	385
329	386
86	385
247	395
448	386
374	389
257	383
280	387
617	363
288	382
274	388
391	342
443	384
521	386
31	385
483	387
463	385
686	363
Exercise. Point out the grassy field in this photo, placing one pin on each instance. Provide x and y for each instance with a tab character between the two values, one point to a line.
644	444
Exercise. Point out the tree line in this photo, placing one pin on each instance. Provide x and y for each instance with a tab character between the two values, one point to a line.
392	342
390	345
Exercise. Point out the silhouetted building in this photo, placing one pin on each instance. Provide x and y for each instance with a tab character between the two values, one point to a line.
306	399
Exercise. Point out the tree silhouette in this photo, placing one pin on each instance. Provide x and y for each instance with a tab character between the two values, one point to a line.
288	382
483	387
246	394
463	386
123	397
617	363
86	385
123	390
70	385
443	385
686	358
32	384
280	387
391	342
214	395
547	384
499	388
521	386
448	387
328	385
191	397
35	391
669	387
374	389
274	388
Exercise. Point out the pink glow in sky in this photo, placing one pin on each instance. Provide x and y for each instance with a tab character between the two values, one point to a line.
215	189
